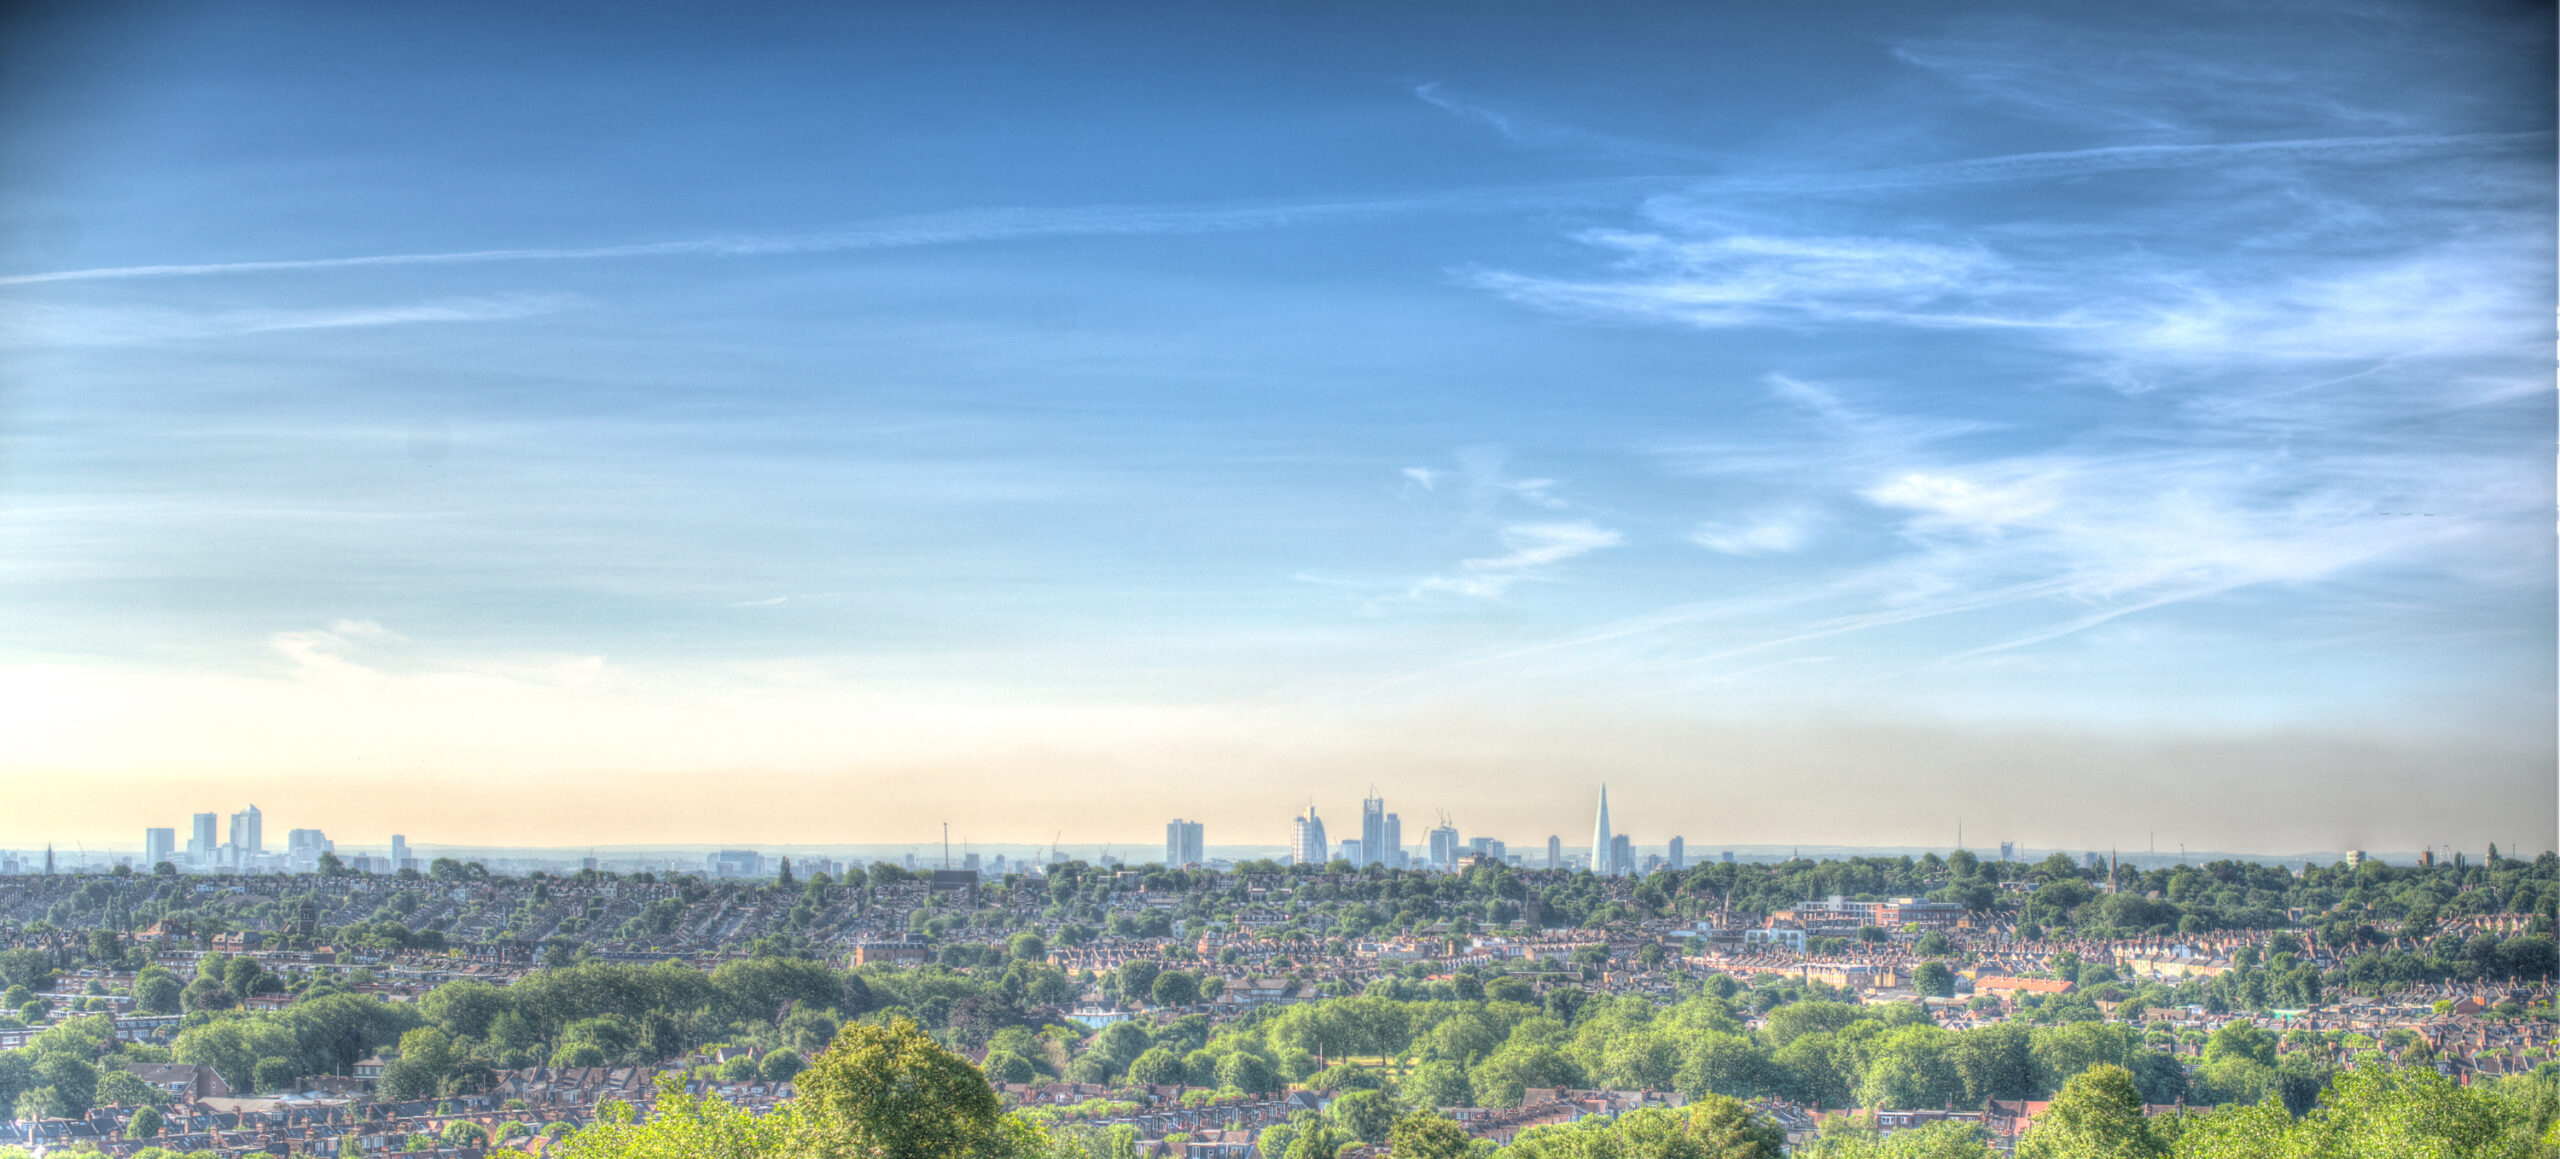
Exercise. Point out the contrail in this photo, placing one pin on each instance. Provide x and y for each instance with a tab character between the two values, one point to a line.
1001	224
958	227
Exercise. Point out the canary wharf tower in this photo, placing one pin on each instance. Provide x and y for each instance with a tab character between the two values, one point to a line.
1600	838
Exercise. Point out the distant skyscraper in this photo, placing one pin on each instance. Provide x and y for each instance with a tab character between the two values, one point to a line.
1184	843
1601	862
399	853
1444	847
1373	828
1728	857
201	843
248	837
2008	849
1307	845
1555	852
1622	855
158	845
1353	853
1393	849
1679	854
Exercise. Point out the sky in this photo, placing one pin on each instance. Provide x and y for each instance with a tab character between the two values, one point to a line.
586	424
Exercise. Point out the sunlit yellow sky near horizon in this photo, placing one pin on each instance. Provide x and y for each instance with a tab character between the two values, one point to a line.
808	426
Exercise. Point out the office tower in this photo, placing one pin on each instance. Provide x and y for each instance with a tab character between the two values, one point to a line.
1373	828
200	844
158	845
1601	861
1184	844
2008	849
1353	853
1307	845
399	853
1444	847
1728	857
1392	841
1555	852
1622	855
1679	854
248	838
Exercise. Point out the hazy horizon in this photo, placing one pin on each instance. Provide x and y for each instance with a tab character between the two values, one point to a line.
805	425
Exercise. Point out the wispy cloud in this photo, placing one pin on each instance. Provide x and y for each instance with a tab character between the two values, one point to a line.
1531	548
1766	533
1532	132
45	324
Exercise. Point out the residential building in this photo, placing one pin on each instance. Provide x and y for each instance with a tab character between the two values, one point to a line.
1184	844
1679	854
158	845
1555	852
400	853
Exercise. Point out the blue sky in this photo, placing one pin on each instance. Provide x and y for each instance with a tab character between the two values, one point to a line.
580	425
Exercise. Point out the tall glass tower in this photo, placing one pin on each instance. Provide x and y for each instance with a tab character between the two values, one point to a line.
1601	862
1374	845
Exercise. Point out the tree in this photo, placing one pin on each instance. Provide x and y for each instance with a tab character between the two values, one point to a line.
1439	1083
1428	1136
27	967
121	1088
1934	980
1176	988
145	1124
1934	1141
43	1103
1029	948
1137	980
2097	1115
1248	1072
891	1092
681	1126
155	991
1005	1066
1367	1115
1712	1128
782	1066
1157	1067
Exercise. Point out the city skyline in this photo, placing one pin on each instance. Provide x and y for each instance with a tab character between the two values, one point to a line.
1819	425
203	850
